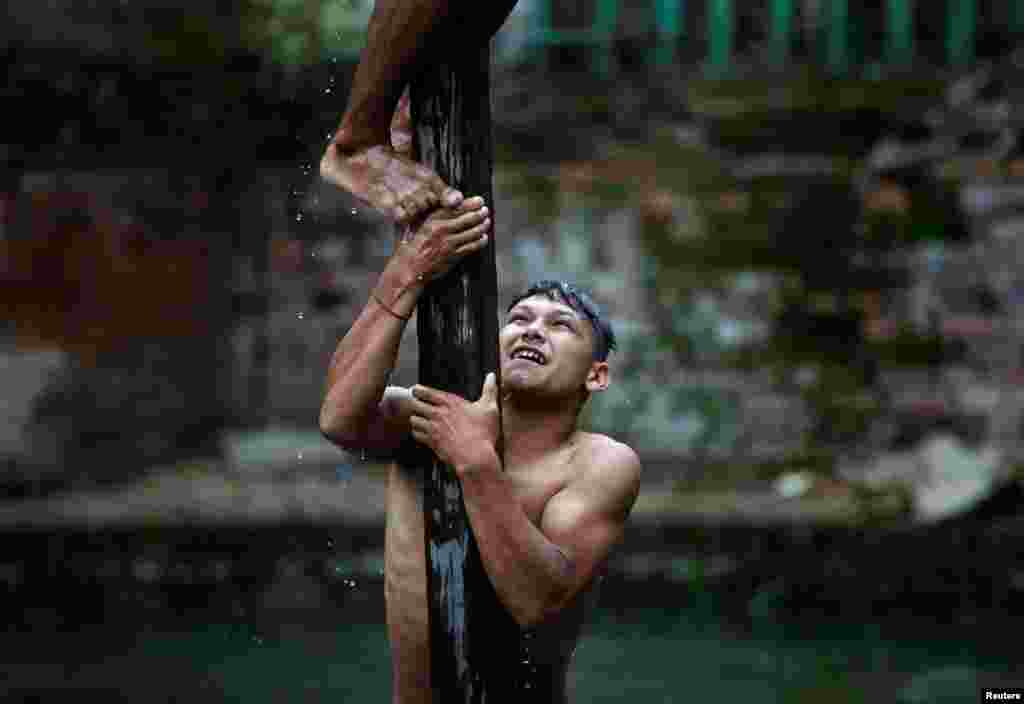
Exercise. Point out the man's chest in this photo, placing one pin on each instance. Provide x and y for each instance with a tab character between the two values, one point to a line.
534	485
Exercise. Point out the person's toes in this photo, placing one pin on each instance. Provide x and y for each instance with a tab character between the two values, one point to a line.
427	201
409	207
451	197
469	205
402	214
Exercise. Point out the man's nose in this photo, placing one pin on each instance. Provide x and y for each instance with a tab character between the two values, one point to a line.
533	332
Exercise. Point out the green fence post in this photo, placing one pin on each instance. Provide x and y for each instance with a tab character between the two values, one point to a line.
900	32
606	19
781	31
720	28
669	19
838	47
960	30
541	31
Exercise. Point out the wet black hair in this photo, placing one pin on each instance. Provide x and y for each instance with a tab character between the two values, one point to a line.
581	302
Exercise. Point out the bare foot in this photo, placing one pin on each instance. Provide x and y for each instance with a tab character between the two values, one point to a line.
388	181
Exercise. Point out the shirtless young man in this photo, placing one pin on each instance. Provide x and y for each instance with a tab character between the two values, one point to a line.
402	36
546	516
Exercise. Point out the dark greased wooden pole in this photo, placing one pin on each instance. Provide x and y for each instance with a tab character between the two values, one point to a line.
474	642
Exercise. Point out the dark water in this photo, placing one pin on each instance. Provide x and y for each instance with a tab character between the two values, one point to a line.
688	653
283	614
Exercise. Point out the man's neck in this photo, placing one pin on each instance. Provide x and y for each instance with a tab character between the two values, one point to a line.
532	432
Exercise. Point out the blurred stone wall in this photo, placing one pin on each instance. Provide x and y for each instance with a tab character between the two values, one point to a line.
304	256
111	346
554	220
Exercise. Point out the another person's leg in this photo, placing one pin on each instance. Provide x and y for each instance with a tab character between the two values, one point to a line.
401	35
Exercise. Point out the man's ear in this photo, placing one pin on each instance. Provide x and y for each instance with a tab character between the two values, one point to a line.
597	378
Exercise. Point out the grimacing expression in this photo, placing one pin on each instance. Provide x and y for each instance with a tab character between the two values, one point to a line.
546	347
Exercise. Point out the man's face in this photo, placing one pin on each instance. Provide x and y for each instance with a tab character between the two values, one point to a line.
547	348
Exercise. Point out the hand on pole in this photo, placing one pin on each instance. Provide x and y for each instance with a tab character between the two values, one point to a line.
461	433
443	239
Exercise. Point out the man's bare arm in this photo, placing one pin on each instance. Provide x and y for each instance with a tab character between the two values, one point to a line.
537	571
587	518
359	411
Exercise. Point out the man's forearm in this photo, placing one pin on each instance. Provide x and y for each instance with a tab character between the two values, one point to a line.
365	357
530	573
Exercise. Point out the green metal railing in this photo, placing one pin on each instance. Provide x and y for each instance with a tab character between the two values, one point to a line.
841	46
782	15
599	36
960	32
840	52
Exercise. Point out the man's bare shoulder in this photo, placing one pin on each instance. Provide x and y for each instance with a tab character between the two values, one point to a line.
604	457
605	449
588	516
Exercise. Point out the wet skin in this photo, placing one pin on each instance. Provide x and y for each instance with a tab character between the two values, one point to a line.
402	36
384	176
545	515
551	644
387	181
547	475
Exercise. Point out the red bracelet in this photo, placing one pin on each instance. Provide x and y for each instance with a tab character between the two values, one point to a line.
381	304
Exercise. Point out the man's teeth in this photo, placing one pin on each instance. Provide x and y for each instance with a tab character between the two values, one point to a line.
530	355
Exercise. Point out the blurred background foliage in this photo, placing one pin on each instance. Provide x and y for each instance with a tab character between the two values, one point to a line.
297	32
